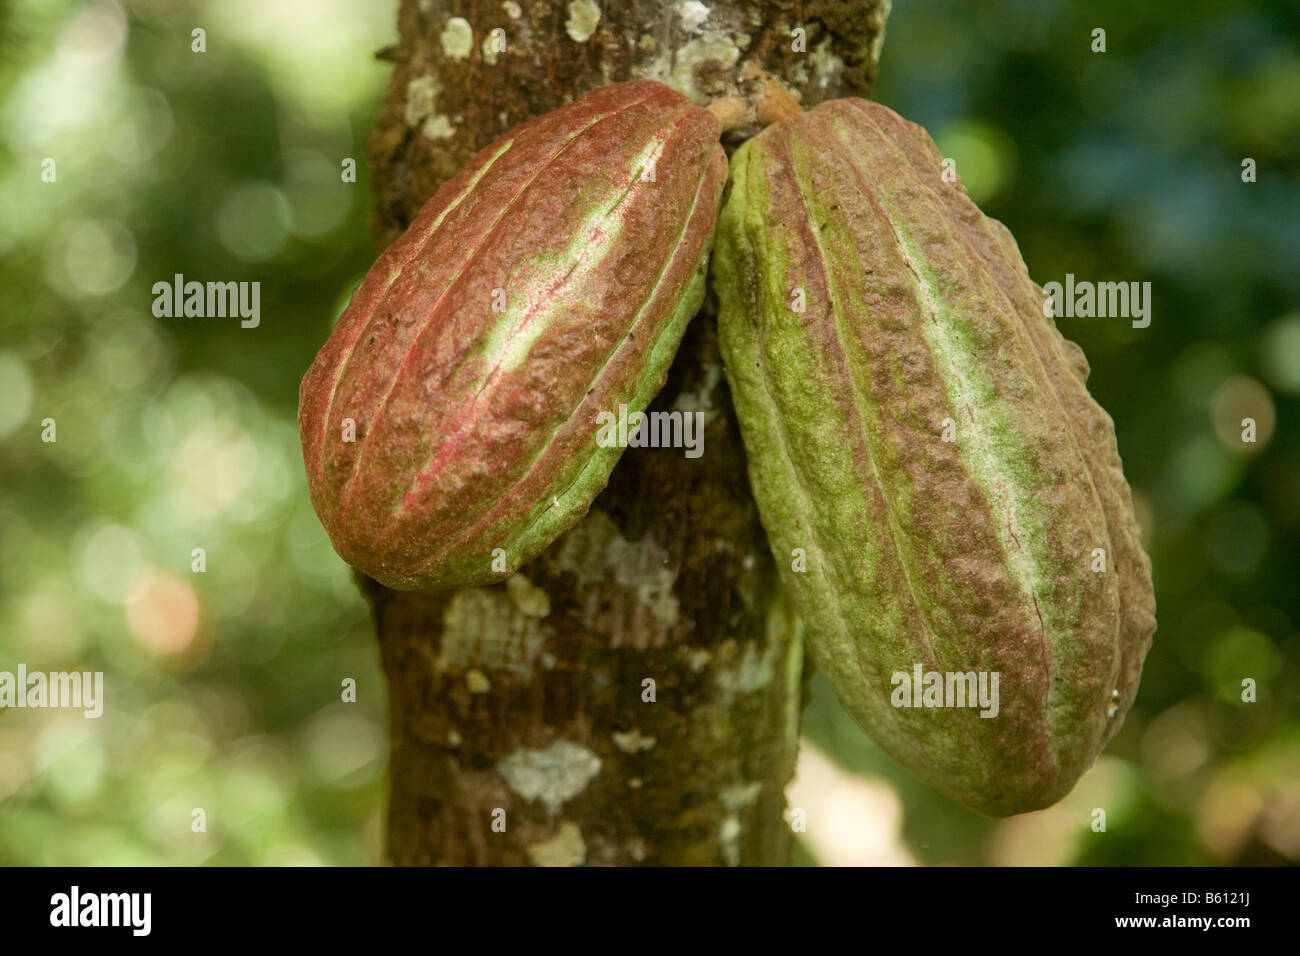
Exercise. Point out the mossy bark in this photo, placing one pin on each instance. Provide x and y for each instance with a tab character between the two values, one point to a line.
633	695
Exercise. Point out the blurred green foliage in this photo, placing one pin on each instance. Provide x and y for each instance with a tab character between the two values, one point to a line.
224	687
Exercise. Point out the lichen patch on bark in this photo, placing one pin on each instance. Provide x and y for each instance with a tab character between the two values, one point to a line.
457	39
692	14
492	629
825	64
642	568
748	670
701	399
421	103
553	776
632	741
595	551
702	57
566	848
421	97
584	17
531	601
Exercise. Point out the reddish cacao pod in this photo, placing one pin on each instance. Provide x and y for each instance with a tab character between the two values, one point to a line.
549	281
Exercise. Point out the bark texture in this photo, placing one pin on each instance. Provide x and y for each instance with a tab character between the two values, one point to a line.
633	695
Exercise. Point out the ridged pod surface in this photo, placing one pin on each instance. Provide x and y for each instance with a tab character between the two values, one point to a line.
965	555
549	281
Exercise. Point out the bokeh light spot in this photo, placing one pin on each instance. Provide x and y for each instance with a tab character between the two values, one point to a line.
162	612
145	130
253	221
1235	654
984	158
1237	399
110	560
1279	353
99	257
16	391
97	32
340	746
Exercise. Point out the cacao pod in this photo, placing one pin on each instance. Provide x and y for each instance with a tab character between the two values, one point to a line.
550	280
866	305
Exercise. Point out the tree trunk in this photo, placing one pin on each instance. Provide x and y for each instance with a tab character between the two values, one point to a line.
634	694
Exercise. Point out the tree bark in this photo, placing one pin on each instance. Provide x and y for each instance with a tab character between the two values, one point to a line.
634	694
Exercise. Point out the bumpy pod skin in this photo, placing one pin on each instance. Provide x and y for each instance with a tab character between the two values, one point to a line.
550	280
967	555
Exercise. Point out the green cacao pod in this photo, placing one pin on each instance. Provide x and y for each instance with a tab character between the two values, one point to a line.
549	281
942	495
